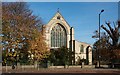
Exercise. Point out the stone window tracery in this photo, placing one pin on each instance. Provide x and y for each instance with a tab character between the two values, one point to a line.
58	36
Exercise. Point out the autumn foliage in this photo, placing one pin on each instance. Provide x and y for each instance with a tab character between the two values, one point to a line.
22	31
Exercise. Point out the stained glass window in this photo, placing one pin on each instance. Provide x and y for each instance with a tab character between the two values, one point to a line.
58	36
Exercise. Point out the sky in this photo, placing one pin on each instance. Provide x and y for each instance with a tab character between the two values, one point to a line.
82	16
61	0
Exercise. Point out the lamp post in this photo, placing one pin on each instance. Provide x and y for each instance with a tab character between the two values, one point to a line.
99	37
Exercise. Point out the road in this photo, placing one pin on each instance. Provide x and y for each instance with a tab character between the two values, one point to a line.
70	71
61	74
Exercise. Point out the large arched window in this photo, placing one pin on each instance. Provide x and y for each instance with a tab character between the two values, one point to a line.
58	36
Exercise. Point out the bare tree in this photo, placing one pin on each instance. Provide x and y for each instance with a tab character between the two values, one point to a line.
113	32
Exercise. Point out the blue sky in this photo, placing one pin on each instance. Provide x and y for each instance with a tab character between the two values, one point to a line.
61	0
83	16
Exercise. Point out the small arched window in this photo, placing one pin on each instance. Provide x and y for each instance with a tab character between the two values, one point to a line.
119	36
58	17
82	48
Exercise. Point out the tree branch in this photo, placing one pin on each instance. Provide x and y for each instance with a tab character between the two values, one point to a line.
107	31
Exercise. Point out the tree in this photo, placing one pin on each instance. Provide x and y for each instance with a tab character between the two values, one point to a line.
60	56
108	43
38	47
113	33
19	28
102	46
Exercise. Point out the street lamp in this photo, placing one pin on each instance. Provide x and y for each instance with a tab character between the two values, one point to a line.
99	36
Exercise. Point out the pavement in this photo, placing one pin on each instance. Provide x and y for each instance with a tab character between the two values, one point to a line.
61	71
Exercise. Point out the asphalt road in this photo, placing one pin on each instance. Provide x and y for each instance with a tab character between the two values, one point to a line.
61	74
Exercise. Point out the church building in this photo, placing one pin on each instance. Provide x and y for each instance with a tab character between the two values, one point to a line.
59	33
